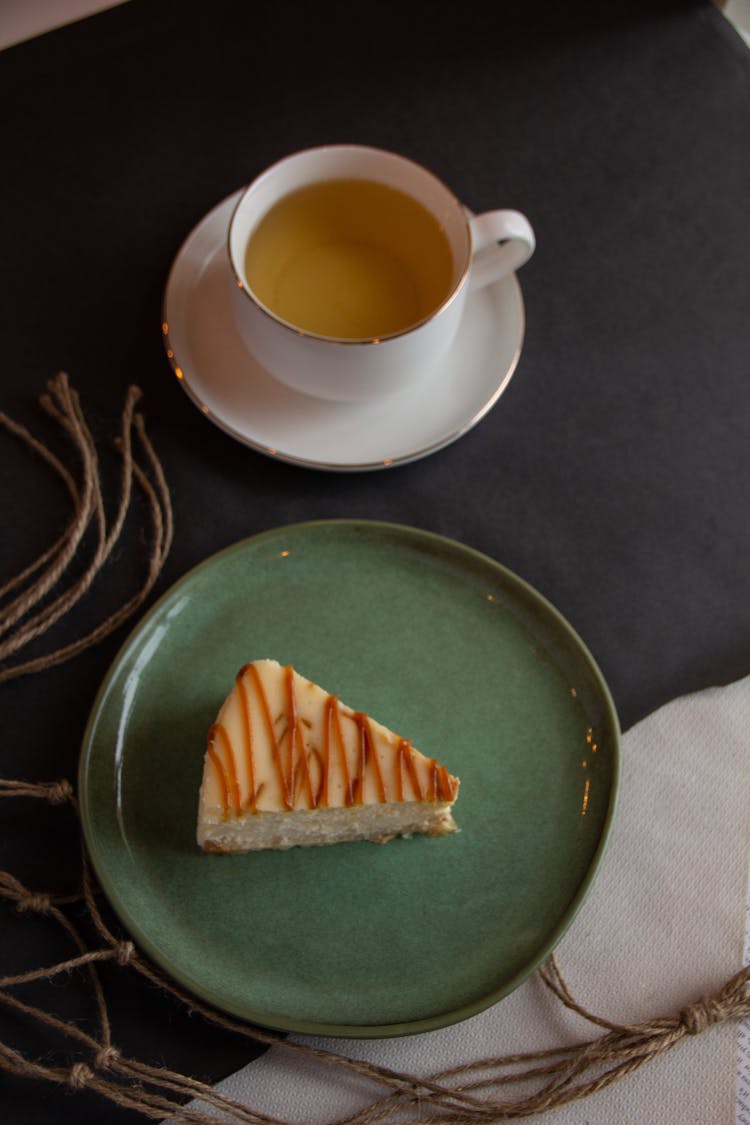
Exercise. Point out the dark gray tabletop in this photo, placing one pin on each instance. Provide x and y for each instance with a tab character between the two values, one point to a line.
613	474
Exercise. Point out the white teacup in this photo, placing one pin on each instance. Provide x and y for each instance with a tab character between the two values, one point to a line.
356	357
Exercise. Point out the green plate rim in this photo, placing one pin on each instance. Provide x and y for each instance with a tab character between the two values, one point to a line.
343	1030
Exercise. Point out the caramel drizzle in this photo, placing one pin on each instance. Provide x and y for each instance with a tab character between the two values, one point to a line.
297	751
252	800
367	754
225	766
445	786
404	758
291	756
286	784
332	731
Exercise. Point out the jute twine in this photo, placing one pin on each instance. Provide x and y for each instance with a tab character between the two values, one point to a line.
475	1092
35	607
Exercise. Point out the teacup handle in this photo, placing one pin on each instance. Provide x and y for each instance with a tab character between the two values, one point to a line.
501	241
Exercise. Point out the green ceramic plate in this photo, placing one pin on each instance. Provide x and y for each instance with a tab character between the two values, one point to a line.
442	644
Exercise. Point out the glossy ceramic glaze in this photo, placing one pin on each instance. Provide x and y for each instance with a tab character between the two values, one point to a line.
233	390
448	648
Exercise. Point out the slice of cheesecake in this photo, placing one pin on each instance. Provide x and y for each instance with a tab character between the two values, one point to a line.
287	763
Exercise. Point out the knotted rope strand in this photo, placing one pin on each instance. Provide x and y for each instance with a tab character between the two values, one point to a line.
75	423
70	531
63	405
56	792
627	1048
67	545
107	1059
106	540
25	900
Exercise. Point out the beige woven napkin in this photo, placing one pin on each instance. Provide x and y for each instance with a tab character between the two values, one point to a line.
664	924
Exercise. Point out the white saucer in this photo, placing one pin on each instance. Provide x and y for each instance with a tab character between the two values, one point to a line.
238	395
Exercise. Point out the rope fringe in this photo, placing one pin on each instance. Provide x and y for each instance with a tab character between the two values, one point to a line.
29	615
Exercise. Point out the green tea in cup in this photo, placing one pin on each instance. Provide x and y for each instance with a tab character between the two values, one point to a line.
349	259
351	267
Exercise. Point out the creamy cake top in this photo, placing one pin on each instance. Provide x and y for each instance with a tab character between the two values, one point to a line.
281	742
